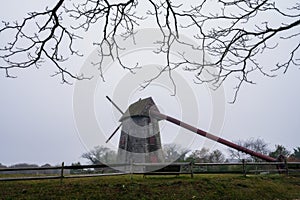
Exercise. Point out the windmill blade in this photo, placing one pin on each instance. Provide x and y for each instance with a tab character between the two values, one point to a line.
117	107
211	136
113	103
113	133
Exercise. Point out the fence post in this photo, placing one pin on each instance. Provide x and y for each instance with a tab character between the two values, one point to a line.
286	167
244	167
131	169
191	169
62	171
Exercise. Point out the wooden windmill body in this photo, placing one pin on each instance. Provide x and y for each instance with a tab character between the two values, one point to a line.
140	140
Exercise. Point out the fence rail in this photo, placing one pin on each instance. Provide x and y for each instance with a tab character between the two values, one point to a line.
62	172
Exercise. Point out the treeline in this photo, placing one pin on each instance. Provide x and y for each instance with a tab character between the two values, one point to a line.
172	153
26	165
176	153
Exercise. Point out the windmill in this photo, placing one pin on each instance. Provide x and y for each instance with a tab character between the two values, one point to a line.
140	140
140	136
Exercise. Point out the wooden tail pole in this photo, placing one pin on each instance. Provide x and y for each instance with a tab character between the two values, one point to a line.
211	136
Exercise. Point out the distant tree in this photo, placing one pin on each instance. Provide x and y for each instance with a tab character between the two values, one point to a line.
46	165
280	150
76	171
50	171
296	154
257	145
173	152
2	166
76	164
25	165
201	156
216	157
100	154
204	156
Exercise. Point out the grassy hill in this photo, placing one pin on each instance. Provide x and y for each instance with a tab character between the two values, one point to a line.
157	187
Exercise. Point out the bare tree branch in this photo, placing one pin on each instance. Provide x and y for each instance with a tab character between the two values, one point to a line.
233	36
45	44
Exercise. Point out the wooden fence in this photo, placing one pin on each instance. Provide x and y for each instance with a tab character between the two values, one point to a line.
62	172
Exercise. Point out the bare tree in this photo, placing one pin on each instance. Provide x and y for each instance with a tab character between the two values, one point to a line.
201	156
2	166
257	145
295	156
173	152
234	34
100	154
280	150
204	156
216	156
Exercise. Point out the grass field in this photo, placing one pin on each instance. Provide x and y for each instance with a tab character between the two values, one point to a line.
156	187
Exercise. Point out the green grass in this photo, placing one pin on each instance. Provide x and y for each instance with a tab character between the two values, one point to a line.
156	187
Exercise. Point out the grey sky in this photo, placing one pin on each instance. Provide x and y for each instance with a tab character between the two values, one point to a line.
37	117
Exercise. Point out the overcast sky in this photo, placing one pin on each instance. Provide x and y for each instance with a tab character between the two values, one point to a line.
38	121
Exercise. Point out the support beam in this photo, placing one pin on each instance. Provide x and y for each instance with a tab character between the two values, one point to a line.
211	136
